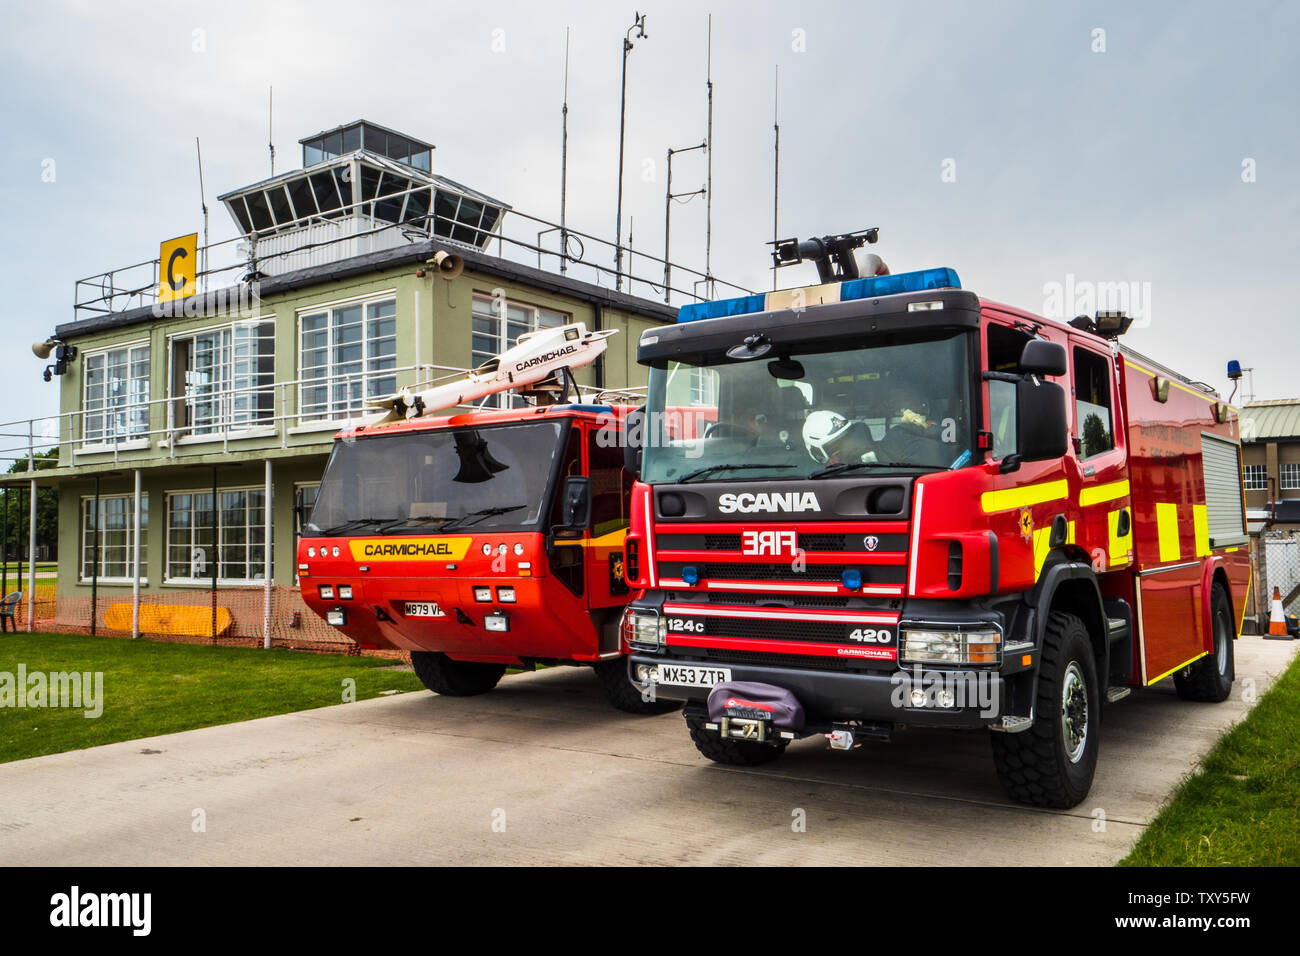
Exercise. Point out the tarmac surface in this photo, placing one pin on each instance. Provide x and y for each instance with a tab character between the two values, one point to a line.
542	771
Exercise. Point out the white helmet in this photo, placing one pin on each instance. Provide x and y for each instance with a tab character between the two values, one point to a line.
821	430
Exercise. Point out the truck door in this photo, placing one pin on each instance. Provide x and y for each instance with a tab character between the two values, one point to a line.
566	553
1098	440
611	495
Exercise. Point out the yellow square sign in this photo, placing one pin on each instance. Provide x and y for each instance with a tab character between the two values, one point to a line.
178	267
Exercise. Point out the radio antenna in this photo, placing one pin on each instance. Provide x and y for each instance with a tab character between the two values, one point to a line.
203	201
708	183
564	160
270	114
776	160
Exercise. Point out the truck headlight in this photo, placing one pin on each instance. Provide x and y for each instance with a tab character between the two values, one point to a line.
345	592
975	646
506	595
644	627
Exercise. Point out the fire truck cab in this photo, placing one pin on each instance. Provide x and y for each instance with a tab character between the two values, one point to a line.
482	540
908	505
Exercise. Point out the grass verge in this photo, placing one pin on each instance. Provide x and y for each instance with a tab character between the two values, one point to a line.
152	688
1242	808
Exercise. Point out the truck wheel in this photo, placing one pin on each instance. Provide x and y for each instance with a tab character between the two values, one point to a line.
733	753
442	675
1210	679
1052	763
623	694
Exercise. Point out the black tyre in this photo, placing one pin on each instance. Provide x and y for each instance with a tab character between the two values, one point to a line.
442	675
1052	763
1210	679
734	753
623	694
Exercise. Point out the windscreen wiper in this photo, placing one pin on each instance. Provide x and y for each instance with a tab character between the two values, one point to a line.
353	522
479	515
708	468
407	522
850	465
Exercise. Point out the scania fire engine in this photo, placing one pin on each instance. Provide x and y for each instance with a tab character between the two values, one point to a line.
486	539
906	505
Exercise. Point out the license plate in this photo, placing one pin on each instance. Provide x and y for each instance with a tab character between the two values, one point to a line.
691	676
424	609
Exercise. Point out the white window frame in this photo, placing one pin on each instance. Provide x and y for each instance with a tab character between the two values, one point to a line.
86	539
331	379
103	437
1289	475
1254	477
483	306
206	579
228	420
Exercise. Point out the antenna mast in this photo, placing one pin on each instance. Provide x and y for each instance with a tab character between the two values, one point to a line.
270	113
564	160
708	184
203	200
776	159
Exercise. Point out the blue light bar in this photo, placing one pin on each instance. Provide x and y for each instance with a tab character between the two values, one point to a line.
869	288
922	281
718	308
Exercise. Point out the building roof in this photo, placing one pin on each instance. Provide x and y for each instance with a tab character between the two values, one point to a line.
1279	418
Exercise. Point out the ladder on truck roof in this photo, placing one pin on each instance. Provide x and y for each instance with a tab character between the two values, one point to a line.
540	363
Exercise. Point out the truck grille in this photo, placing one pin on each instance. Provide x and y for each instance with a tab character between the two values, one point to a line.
745	571
820	542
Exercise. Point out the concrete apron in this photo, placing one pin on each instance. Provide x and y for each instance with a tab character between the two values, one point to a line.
541	771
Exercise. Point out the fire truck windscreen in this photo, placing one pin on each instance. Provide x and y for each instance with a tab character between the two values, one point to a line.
876	407
492	477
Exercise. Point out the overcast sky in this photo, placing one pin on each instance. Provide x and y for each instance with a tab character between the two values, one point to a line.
1013	142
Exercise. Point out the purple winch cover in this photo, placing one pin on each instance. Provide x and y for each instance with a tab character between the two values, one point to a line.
739	698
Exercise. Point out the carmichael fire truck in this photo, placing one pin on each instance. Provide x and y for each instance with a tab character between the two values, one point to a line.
482	540
909	505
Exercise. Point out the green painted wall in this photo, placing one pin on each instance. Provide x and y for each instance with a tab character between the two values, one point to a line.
442	308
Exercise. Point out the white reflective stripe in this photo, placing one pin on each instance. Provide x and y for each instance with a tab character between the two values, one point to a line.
916	535
706	610
650	556
741	586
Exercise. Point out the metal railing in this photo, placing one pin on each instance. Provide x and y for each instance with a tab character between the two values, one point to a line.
356	228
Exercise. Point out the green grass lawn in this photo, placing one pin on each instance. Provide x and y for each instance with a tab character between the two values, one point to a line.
1242	808
158	688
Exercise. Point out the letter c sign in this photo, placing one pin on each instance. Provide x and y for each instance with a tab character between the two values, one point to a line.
178	265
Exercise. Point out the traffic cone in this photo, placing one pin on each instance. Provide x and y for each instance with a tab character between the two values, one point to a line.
1277	619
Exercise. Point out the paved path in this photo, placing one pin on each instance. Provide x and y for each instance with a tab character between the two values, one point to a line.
417	778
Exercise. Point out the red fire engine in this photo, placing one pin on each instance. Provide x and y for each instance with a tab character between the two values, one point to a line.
482	540
908	505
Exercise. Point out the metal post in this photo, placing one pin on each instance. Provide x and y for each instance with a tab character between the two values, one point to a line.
4	558
708	181
216	550
266	557
18	543
638	25
31	563
135	561
94	568
416	363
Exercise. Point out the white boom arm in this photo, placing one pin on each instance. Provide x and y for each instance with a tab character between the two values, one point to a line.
536	356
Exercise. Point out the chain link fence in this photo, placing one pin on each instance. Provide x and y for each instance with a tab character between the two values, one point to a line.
1276	557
